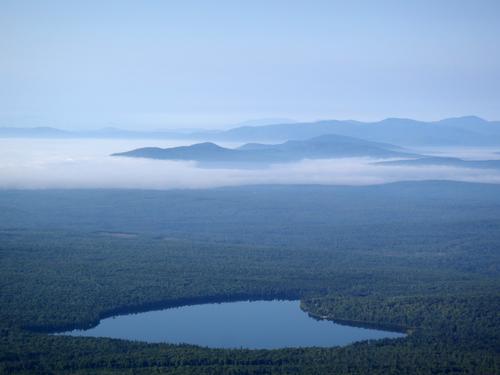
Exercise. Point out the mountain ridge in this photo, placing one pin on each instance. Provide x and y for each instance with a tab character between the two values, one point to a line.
459	131
321	147
466	131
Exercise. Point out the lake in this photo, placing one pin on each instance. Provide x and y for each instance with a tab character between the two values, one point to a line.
247	324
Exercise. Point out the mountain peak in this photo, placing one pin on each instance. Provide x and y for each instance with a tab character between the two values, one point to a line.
206	146
464	120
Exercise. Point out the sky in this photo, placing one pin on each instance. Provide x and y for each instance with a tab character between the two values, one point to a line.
206	64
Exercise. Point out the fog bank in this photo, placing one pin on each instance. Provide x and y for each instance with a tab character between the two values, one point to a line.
34	164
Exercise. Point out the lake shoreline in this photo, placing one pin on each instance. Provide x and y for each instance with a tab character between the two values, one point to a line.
160	305
248	324
185	302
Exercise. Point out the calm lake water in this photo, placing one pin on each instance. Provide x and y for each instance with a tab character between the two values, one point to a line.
253	325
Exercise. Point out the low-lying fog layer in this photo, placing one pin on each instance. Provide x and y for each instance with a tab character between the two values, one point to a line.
31	163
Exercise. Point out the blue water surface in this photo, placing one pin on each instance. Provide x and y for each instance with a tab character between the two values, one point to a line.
248	324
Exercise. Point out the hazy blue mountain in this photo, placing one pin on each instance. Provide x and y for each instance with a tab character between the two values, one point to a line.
446	161
206	151
462	131
326	146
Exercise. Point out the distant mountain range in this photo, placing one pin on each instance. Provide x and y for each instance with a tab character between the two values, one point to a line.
322	147
461	131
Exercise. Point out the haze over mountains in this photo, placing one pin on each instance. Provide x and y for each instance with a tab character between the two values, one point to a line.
86	163
468	131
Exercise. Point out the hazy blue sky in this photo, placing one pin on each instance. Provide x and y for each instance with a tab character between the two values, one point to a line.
153	64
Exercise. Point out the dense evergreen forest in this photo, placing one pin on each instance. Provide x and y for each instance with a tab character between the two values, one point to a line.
419	257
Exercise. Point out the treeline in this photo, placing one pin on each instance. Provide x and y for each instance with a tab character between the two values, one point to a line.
469	320
28	353
52	280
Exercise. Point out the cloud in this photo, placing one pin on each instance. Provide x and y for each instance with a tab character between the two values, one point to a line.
36	164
